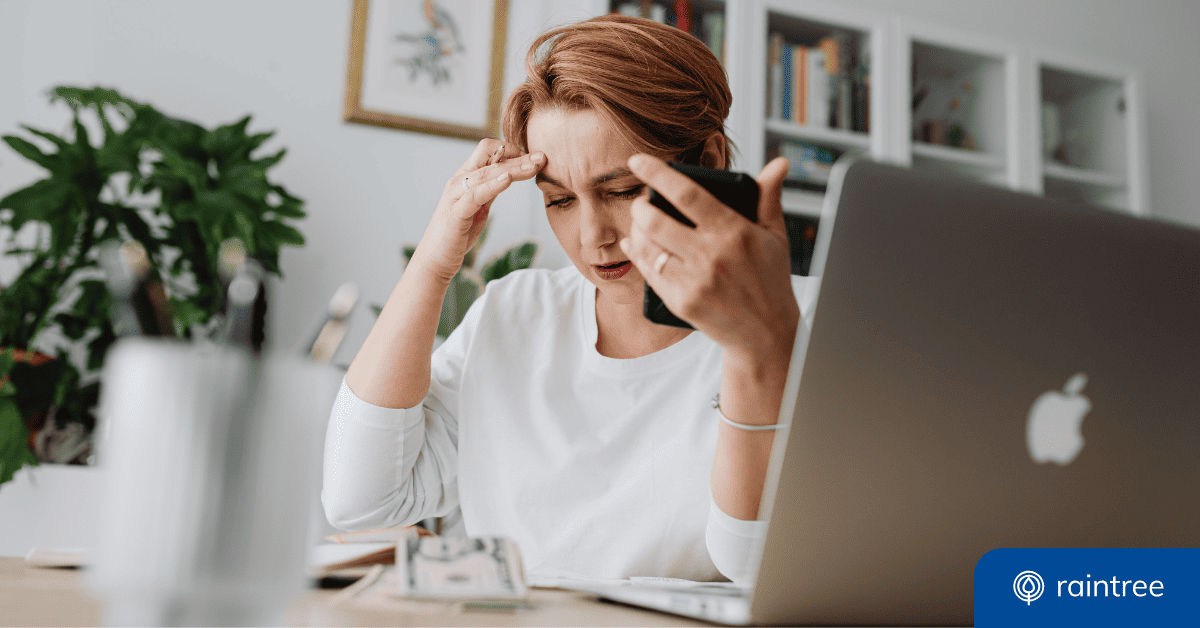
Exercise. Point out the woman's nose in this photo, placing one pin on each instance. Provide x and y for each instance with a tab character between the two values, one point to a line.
596	229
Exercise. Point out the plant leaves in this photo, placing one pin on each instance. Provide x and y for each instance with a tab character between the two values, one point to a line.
226	141
73	327
516	258
31	152
14	448
282	234
36	203
179	190
61	143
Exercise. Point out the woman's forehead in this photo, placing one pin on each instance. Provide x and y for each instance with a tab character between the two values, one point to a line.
582	148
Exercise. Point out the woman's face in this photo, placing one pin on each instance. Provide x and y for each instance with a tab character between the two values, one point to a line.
588	189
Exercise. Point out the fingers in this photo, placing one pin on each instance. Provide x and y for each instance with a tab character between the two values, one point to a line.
653	224
520	168
484	151
488	152
689	197
770	181
478	194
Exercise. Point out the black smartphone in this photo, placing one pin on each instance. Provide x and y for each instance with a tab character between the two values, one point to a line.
737	190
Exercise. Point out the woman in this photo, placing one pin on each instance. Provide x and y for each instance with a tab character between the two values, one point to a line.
556	414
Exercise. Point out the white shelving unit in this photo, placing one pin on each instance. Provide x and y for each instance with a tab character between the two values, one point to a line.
980	113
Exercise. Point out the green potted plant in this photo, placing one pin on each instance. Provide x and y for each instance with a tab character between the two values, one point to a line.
177	189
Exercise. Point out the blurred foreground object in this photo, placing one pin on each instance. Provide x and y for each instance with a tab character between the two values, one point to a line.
212	463
172	191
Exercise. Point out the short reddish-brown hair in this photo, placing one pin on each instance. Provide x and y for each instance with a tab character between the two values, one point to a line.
662	87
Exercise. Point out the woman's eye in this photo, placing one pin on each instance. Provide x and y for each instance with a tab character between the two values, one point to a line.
628	193
558	202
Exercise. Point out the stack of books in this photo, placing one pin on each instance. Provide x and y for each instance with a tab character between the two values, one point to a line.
824	86
810	164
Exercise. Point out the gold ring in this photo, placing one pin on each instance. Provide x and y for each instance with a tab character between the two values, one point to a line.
661	262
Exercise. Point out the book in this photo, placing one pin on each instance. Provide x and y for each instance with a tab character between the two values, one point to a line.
775	77
328	558
838	59
861	74
799	87
831	46
785	85
714	33
683	15
809	165
658	13
818	89
379	535
357	550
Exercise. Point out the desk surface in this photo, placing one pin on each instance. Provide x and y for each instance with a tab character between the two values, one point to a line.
32	596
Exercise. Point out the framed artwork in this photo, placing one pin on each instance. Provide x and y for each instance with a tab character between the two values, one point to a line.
434	66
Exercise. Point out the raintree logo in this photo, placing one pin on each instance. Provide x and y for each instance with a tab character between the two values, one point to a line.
1028	586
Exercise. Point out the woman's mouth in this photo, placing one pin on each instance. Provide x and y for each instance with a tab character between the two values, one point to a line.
613	271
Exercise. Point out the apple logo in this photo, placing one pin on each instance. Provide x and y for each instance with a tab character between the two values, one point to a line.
1052	432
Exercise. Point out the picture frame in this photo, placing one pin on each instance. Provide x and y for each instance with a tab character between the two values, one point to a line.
431	66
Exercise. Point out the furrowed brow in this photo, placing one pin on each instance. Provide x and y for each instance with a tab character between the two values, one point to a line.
619	173
615	174
542	177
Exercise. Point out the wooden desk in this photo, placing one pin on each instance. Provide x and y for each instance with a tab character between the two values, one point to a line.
57	597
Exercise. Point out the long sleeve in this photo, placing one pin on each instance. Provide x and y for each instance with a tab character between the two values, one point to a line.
731	542
394	467
385	466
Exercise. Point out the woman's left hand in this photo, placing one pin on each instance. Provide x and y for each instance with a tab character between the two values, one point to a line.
730	278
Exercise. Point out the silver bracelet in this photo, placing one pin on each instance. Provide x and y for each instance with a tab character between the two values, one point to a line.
716	403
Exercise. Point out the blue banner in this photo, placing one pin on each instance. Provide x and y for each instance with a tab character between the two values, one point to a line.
1088	587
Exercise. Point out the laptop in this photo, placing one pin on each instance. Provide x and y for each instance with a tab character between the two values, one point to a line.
986	369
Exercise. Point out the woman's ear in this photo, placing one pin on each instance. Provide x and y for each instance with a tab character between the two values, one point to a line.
714	155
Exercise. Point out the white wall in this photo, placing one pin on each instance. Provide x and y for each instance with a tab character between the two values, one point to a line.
371	190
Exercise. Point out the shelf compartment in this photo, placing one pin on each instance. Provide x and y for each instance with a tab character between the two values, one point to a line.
1083	121
848	87
971	164
803	202
841	138
958	157
958	93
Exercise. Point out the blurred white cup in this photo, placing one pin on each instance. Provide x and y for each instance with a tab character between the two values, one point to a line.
212	459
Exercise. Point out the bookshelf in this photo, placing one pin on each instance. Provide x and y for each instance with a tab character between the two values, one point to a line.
936	98
851	119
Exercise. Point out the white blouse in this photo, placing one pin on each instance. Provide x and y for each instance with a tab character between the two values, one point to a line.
597	467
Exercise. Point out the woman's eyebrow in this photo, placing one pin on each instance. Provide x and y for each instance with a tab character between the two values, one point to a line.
542	177
615	174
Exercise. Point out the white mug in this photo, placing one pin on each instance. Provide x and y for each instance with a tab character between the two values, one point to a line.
211	458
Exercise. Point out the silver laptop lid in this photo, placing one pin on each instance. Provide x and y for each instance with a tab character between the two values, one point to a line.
986	369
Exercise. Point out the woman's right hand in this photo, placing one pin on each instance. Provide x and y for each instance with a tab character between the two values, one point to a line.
462	211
